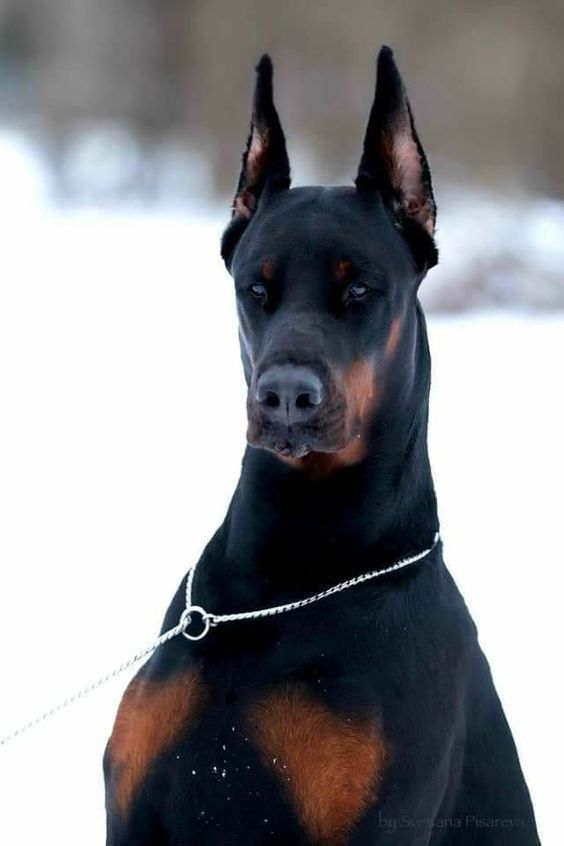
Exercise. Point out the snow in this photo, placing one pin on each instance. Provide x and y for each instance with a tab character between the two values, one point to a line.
121	434
501	250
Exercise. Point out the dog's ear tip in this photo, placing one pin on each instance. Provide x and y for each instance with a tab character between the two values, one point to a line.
263	86
264	66
265	160
386	66
393	160
385	53
386	60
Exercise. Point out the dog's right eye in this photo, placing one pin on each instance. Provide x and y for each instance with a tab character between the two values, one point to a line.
259	291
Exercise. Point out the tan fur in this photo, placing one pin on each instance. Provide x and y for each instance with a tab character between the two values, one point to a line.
359	388
267	270
318	465
150	718
393	339
256	162
403	162
331	767
342	270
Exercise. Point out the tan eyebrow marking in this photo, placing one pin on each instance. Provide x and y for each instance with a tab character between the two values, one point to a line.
342	270
267	270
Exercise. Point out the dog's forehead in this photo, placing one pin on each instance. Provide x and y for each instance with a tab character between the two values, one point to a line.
316	224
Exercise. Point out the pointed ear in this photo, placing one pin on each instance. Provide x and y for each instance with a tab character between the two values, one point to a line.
265	158
265	161
394	163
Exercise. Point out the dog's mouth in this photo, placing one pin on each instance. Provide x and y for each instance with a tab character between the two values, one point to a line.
328	427
289	448
327	436
291	445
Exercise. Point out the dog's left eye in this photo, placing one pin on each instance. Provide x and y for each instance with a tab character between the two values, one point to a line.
355	292
259	291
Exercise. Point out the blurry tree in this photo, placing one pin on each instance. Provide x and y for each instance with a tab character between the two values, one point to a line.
486	78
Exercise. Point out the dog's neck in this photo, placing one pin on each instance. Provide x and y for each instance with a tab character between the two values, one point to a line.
286	532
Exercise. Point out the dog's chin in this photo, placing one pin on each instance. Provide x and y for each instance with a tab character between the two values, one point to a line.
289	449
291	445
285	447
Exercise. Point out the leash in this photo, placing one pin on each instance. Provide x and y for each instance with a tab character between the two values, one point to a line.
206	621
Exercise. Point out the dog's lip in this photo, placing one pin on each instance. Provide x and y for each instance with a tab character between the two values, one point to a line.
290	449
295	441
280	440
289	444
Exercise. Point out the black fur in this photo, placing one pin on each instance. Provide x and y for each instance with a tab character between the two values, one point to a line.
402	649
275	176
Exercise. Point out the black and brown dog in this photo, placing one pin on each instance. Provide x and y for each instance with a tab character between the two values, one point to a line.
369	715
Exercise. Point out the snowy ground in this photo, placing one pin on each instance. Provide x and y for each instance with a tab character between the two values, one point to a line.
117	462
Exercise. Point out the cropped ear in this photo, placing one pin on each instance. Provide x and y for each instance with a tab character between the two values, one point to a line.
265	161
394	163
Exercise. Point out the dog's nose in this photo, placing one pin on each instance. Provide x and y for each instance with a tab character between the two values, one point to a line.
288	393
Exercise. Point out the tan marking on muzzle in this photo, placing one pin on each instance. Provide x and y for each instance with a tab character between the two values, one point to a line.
330	767
360	391
393	339
319	465
361	395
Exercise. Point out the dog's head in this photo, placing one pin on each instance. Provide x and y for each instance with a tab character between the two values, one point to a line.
327	278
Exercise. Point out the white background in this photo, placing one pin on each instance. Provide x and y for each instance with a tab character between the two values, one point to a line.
121	433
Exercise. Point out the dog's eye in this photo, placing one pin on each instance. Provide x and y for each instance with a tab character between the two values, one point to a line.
355	292
259	291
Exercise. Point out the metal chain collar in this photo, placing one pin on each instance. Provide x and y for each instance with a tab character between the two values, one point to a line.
208	620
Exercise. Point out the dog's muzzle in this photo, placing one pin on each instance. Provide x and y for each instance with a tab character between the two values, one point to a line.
293	411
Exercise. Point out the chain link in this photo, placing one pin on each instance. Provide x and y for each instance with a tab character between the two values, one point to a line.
216	619
209	619
135	659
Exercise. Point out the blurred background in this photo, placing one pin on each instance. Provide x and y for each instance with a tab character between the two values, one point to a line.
145	102
122	124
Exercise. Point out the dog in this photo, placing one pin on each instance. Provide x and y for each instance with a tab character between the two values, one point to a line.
370	714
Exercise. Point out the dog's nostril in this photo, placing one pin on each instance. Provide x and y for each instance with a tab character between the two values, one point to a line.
289	394
304	401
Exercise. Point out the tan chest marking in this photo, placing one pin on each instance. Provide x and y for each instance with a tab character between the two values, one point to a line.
151	716
331	768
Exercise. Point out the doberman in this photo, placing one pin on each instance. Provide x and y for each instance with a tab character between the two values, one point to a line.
370	715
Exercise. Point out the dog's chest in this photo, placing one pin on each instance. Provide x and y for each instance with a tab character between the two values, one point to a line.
281	760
